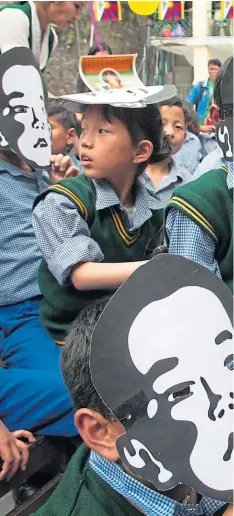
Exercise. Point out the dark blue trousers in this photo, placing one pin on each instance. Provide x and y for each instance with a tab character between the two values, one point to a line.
32	393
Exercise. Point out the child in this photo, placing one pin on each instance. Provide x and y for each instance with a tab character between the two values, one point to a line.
164	176
185	145
93	231
199	220
32	395
64	133
96	482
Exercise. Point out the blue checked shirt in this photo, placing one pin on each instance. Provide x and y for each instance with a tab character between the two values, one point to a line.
147	500
64	237
190	154
188	239
19	252
177	176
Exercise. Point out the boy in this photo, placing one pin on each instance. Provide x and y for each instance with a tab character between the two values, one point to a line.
97	482
33	395
169	172
186	146
64	131
199	217
94	231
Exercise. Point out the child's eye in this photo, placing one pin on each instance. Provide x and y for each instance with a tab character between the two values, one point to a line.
103	131
83	130
180	128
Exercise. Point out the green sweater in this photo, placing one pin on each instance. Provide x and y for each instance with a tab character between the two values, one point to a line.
81	492
26	9
61	304
209	203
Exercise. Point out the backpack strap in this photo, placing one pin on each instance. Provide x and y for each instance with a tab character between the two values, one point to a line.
202	89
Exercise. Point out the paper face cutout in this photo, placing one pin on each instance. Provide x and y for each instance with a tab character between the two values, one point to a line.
160	353
130	98
224	130
23	120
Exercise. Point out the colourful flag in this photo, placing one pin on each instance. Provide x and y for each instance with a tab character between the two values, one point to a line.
107	11
171	11
227	9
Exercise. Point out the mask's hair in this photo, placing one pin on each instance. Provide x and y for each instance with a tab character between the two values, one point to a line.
76	357
218	82
64	117
177	102
141	124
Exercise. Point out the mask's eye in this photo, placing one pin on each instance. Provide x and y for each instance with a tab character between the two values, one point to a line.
180	392
20	109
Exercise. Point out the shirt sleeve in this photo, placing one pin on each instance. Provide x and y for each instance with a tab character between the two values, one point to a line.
192	96
63	236
187	239
14	29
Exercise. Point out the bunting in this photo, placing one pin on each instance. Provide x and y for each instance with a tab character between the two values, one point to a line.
107	11
227	9
171	11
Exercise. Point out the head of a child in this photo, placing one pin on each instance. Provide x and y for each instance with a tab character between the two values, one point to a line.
100	50
221	111
117	143
63	128
95	423
175	119
193	120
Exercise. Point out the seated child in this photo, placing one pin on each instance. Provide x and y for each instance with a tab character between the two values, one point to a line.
33	395
163	176
96	482
189	153
194	225
64	132
94	230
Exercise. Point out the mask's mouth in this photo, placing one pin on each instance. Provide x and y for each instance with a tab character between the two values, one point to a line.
40	143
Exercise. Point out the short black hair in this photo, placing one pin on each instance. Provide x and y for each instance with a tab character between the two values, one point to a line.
214	62
76	357
64	117
96	48
142	124
178	102
218	81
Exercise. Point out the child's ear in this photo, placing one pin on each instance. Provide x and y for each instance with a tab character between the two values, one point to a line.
99	434
71	136
143	151
215	114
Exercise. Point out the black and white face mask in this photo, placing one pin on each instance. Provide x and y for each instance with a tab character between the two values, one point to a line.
159	361
23	119
224	129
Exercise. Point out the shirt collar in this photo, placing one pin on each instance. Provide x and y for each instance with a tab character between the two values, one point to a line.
15	171
144	202
146	499
230	173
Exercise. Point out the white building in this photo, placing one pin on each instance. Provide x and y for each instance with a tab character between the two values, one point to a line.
205	36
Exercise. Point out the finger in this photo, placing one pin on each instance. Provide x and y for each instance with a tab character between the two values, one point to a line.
24	451
56	160
65	164
7	458
24	433
16	459
72	172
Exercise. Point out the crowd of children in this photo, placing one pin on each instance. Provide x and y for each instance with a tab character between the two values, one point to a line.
98	214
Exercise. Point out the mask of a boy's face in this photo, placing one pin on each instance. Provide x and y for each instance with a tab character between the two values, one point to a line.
225	127
169	371
23	120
